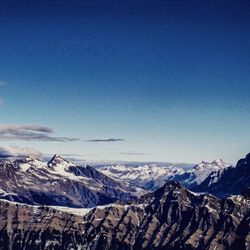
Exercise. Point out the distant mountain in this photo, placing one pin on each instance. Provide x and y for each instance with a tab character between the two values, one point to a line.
58	182
102	164
231	180
152	176
148	176
169	218
195	176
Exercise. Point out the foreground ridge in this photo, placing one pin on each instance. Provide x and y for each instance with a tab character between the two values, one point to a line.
172	217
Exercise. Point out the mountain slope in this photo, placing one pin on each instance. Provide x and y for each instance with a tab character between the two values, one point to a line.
58	182
169	218
231	180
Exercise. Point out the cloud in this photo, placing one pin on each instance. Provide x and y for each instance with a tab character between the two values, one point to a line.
14	151
132	153
30	133
14	128
106	140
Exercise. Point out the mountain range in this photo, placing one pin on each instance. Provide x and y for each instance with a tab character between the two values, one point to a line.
148	176
151	176
57	204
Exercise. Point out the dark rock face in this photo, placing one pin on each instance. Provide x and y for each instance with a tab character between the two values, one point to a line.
60	183
170	218
27	227
232	180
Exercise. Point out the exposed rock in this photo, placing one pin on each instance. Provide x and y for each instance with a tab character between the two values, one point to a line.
170	218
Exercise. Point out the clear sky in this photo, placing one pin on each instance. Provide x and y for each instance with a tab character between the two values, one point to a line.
126	80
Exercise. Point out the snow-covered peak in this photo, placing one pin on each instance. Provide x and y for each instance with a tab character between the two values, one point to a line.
216	165
147	176
202	170
219	162
30	161
131	173
59	182
57	158
152	176
58	161
30	158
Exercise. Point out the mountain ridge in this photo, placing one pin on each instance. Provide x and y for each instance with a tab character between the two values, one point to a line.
172	217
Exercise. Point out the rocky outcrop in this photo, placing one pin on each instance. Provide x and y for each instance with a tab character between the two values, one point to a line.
169	218
31	227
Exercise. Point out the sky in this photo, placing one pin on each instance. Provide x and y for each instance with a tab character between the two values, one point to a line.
125	80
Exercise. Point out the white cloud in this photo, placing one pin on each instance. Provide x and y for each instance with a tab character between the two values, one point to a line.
14	151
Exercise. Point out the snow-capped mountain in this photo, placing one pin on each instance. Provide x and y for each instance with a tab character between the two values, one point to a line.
200	172
152	176
171	217
231	180
148	176
59	182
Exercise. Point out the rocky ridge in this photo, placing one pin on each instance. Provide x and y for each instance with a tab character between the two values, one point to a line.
169	218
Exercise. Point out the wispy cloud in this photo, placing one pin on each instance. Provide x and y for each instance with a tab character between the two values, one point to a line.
133	153
106	140
30	133
14	151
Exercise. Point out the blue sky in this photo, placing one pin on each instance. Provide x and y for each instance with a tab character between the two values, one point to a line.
164	80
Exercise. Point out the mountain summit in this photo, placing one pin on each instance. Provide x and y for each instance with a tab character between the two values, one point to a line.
58	160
